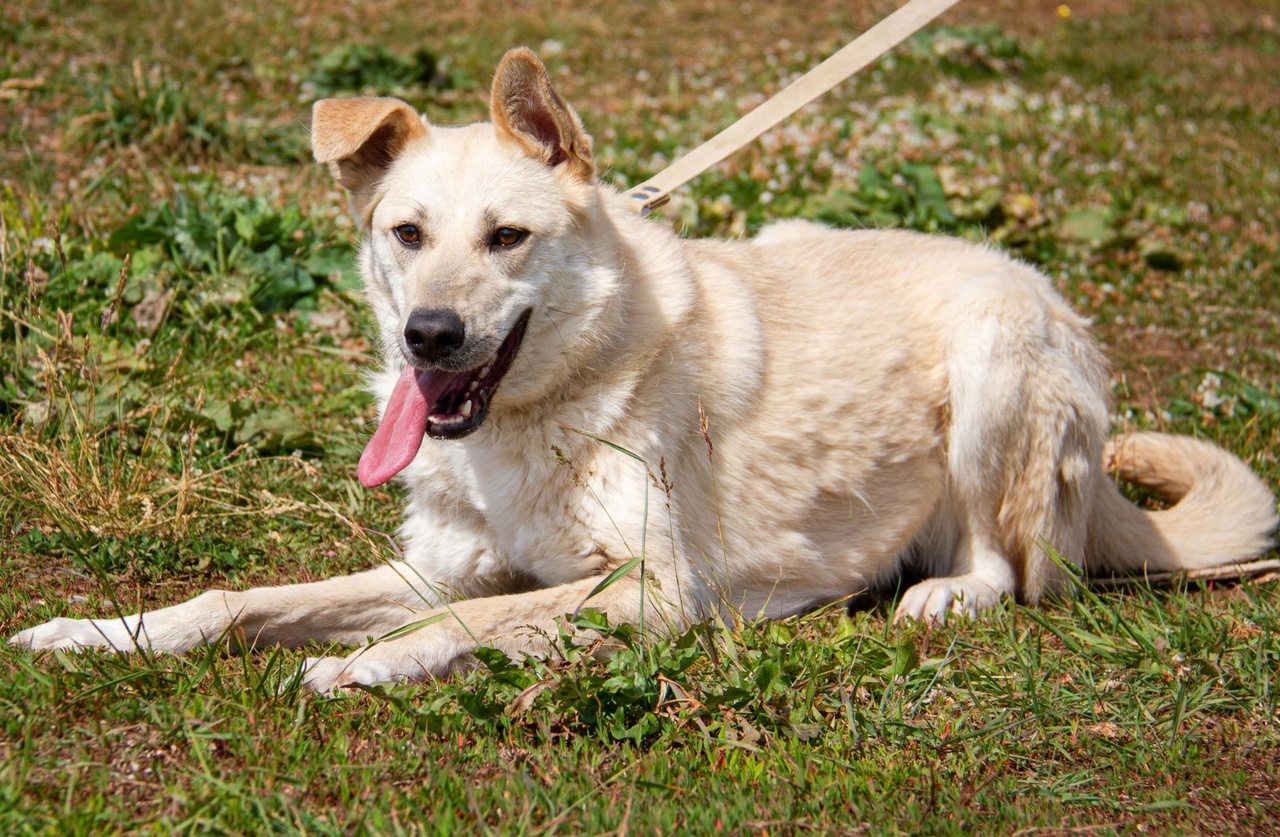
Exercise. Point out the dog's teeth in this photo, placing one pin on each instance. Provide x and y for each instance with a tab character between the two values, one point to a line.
475	385
484	370
465	412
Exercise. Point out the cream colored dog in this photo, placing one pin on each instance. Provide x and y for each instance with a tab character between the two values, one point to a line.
809	413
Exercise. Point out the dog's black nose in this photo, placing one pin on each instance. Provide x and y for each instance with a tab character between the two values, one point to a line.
434	334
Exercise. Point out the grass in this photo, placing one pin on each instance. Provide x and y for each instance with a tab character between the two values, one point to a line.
181	356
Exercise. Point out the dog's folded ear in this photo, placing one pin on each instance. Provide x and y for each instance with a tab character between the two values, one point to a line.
358	138
525	108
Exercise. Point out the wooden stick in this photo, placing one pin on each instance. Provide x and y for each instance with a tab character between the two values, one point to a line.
1259	570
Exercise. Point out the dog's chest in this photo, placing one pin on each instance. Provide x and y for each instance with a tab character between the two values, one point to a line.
556	518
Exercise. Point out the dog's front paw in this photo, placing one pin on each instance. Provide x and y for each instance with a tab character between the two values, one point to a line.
326	675
77	634
932	599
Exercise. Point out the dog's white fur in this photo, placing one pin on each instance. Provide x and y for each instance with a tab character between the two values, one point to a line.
813	410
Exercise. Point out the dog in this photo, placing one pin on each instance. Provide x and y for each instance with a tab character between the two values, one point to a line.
772	425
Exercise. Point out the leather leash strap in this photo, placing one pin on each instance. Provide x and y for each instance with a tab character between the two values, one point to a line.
869	46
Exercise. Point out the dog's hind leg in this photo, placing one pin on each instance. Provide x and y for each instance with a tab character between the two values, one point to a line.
1027	422
348	609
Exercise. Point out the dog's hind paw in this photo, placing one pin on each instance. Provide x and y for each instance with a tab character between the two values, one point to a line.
932	599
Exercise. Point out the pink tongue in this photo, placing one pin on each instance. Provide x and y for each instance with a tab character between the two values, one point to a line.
396	441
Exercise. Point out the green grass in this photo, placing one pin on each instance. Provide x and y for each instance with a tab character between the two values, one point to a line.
181	356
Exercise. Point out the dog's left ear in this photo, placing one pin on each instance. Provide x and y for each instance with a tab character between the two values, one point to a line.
524	107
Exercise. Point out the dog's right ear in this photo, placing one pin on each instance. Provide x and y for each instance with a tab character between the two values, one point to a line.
358	138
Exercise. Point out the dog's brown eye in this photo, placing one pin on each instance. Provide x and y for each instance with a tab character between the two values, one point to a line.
408	234
507	237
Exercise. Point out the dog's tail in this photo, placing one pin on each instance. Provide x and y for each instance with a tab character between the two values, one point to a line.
1222	512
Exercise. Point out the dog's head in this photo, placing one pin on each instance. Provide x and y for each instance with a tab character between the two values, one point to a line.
473	248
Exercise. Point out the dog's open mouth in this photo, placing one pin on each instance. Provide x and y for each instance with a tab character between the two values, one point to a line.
434	402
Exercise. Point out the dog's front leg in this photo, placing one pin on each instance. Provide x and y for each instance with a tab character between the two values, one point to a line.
348	609
518	624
